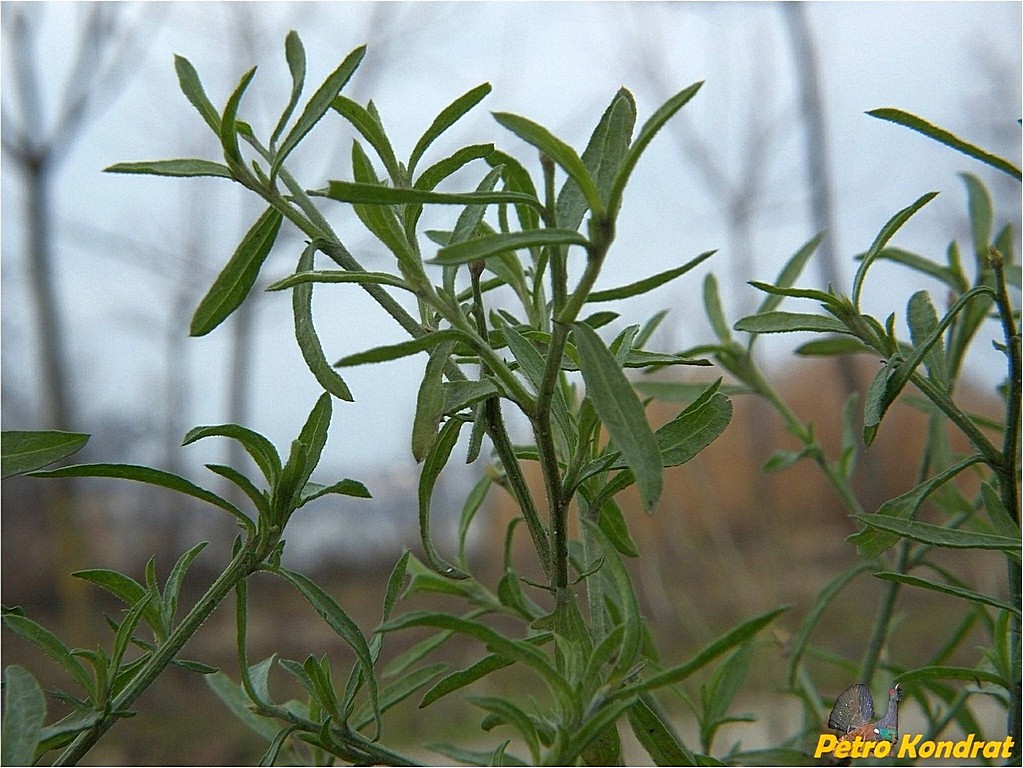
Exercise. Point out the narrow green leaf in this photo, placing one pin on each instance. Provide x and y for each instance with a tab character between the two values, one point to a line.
371	129
948	589
305	332
648	284
430	402
703	657
185	167
872	541
294	53
172	589
128	590
923	319
791	272
461	394
396	692
948	139
240	705
258	447
981	214
24	714
789	322
52	646
887	232
274	750
378	194
715	313
345	487
313	437
472	505
514	716
22	452
925	674
382	220
317	107
144	475
484	247
434	462
560	152
191	86
128	625
228	121
833	346
339	276
613	525
447	117
925	266
238	276
403	349
463	677
646	134
693	430
341	623
621	412
656	736
828	299
1000	518
602	157
516	650
940	536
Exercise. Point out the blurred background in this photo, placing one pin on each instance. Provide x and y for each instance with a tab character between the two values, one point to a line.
101	272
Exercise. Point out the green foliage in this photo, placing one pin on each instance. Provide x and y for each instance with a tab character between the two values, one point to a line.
579	632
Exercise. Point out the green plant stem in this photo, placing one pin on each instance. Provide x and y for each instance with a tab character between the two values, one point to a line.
882	623
239	568
1009	487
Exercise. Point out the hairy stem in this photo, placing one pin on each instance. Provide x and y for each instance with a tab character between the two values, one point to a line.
239	569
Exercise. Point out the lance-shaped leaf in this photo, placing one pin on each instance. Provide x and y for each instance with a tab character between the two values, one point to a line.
791	272
342	624
435	461
490	245
650	128
948	589
621	412
258	447
789	322
560	152
317	107
25	451
403	349
430	402
184	167
339	276
52	646
647	284
436	173
305	333
703	657
294	53
229	121
145	475
948	139
366	123
238	276
940	536
191	86
447	117
602	157
887	232
378	194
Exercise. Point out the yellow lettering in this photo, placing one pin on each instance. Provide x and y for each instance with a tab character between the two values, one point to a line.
842	749
944	749
977	746
926	749
992	749
908	748
826	743
962	748
882	748
1007	746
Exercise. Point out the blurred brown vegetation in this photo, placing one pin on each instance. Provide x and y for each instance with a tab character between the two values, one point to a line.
727	542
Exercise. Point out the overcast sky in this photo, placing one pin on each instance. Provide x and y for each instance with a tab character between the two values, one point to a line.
123	241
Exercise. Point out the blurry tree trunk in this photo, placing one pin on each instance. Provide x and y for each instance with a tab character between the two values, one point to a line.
36	150
818	169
